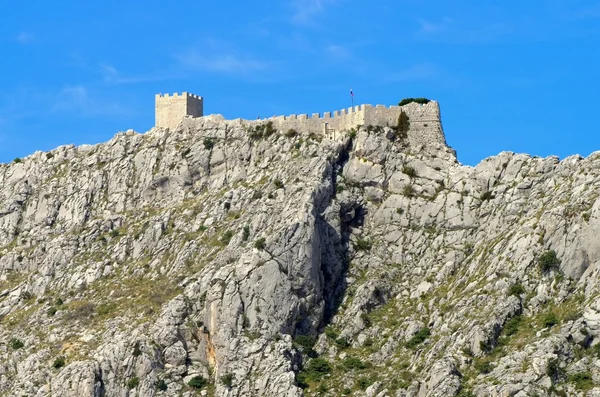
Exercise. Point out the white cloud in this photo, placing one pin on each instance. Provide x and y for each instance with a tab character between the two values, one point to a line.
221	63
24	38
306	10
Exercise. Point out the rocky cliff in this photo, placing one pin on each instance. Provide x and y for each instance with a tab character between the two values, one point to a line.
222	261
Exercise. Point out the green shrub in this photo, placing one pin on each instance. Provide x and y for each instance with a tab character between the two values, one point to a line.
208	143
486	196
362	245
227	379
401	129
59	301
226	237
582	380
136	350
59	362
133	383
51	311
161	385
483	367
49	155
410	171
260	244
246	233
516	290
291	133
418	338
198	382
549	320
366	319
114	233
305	342
408	191
554	371
363	383
548	261
332	334
354	363
406	101
342	342
512	326
278	184
17	160
316	369
16	344
105	308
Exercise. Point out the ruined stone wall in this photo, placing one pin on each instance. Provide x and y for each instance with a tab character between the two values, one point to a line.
170	110
425	121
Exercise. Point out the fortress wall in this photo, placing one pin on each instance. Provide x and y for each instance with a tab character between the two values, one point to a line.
425	122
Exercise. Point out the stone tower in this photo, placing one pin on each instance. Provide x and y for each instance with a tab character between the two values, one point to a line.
170	110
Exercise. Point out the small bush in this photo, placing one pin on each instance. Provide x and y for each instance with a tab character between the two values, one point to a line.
17	160
366	319
305	342
246	233
362	245
16	344
408	191
136	350
512	326
259	244
516	290
278	184
332	334
51	311
549	320
114	233
161	385
133	383
354	363
319	365
548	261
486	196
342	342
227	379
554	371
226	237
406	101
291	133
483	367
410	171
49	155
197	382
363	383
59	362
59	301
208	143
418	338
582	380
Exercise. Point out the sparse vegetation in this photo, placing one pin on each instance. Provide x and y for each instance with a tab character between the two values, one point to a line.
409	171
278	183
362	245
408	191
291	133
259	244
208	143
246	233
59	362
418	338
133	383
161	385
198	382
16	344
548	261
316	369
486	196
516	290
406	101
17	160
227	379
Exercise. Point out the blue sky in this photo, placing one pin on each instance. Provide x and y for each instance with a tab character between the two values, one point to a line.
518	76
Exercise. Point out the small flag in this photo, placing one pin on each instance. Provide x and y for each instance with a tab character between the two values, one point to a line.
351	93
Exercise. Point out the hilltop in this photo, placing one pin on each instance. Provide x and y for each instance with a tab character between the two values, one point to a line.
229	258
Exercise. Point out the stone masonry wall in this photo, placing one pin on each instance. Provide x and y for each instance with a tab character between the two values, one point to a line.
425	121
170	110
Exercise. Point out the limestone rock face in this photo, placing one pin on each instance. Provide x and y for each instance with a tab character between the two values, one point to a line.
210	260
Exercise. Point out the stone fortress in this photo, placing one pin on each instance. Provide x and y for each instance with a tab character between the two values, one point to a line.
425	119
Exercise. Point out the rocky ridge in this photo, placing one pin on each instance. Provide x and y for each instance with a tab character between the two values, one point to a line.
224	260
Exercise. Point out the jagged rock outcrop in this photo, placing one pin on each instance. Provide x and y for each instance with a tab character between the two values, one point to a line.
211	261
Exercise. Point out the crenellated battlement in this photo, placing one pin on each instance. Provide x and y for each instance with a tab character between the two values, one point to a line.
425	120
